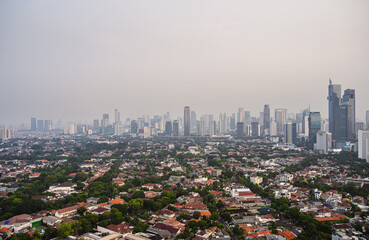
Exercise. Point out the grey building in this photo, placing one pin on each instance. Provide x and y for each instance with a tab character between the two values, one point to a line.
240	132
255	129
33	124
266	123
187	121
168	128
175	128
314	125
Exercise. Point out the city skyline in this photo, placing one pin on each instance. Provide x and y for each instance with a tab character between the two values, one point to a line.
67	64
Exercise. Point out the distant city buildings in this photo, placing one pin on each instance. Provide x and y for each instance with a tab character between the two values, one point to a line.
341	113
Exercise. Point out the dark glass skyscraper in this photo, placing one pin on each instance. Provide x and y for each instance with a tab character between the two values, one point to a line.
314	125
348	102
334	100
187	121
341	113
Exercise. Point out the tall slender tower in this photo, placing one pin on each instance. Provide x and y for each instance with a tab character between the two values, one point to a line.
334	100
187	121
348	100
266	123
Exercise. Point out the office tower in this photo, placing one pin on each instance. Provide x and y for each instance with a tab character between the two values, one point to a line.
273	128
168	128
348	102
117	116
299	122
193	119
48	125
175	128
40	125
325	125
222	123
134	126
341	113
334	100
96	125
367	120
247	119
363	145
266	119
240	132
198	128
279	119
118	128
33	124
323	142
305	122
314	126
290	136
212	128
187	121
105	120
232	121
240	115
205	123
261	121
255	129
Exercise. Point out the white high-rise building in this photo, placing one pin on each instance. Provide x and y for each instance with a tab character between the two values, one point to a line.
323	142
273	128
223	123
118	128
363	145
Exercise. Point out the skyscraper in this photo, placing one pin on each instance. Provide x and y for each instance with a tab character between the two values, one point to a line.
255	129
222	123
290	136
363	145
187	121
305	122
175	128
48	125
117	116
168	128
240	132
348	101
193	119
134	126
34	125
40	125
341	113
323	142
240	115
232	121
266	124
279	119
314	125
367	120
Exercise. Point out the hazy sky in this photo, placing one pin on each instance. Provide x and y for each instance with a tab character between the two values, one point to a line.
75	60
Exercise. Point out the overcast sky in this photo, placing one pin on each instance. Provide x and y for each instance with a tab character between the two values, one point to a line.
75	60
